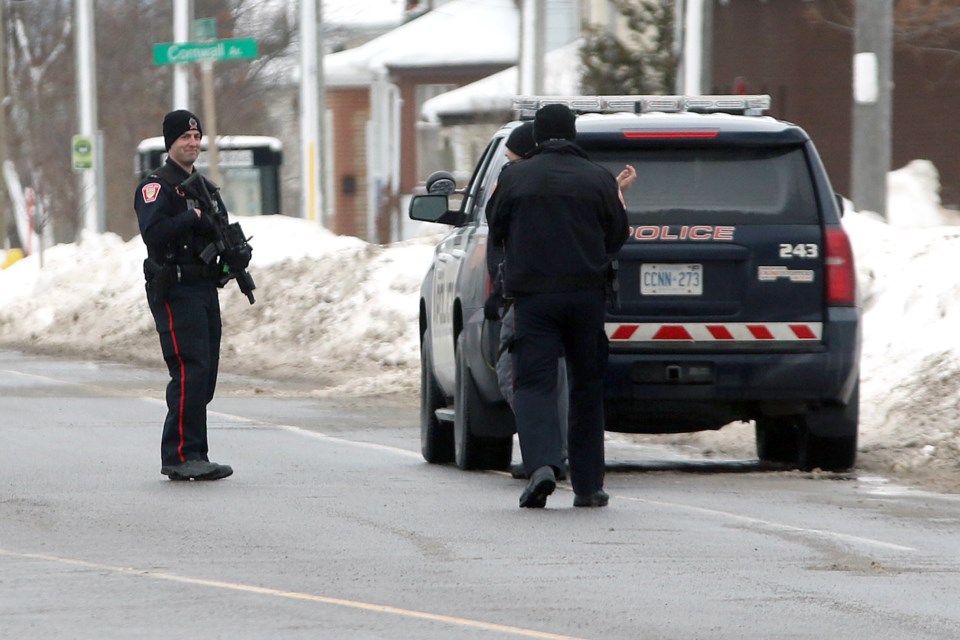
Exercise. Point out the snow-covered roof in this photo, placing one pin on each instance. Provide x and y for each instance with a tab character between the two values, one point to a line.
460	32
562	71
368	12
223	142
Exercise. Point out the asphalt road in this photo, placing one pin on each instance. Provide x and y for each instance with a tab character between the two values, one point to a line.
334	527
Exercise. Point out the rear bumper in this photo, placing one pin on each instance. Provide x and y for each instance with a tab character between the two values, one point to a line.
689	389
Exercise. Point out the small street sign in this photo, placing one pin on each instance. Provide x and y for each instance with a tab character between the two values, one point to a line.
82	152
205	29
216	51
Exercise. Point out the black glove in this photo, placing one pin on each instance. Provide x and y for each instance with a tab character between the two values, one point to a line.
238	258
203	224
492	306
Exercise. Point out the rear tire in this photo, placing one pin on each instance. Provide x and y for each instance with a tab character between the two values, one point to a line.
829	436
436	437
823	438
472	451
778	439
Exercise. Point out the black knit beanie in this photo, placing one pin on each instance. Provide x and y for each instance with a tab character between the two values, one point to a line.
178	122
520	141
554	121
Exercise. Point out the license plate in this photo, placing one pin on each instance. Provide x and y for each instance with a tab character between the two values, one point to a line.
671	279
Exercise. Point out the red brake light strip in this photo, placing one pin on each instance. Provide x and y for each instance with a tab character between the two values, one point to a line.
673	135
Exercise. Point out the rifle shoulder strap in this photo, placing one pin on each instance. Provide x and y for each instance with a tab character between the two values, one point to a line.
169	175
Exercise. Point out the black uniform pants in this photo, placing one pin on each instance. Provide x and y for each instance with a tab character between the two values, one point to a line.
547	325
188	321
505	377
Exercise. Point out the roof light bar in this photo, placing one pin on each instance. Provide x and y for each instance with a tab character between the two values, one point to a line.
750	105
668	104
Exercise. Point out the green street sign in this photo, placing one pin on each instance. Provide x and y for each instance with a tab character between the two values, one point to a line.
218	50
82	152
205	29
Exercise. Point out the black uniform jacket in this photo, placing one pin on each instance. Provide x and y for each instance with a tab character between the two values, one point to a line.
560	217
168	223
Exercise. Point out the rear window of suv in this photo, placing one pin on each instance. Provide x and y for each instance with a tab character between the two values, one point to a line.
731	185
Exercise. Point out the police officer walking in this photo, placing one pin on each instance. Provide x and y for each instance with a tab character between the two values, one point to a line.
560	218
519	145
182	294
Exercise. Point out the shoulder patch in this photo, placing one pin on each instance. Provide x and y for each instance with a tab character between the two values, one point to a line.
150	191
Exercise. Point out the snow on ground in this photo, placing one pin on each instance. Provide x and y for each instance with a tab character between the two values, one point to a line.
339	316
331	309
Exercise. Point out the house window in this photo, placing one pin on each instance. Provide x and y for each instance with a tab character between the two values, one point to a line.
426	91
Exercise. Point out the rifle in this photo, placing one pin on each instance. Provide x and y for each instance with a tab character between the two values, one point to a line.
229	236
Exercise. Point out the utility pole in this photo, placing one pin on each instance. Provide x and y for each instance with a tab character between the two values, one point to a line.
87	112
182	19
693	77
4	200
322	142
311	112
872	104
532	47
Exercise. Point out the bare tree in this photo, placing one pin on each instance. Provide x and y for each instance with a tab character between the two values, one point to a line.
41	105
246	86
132	93
925	25
141	92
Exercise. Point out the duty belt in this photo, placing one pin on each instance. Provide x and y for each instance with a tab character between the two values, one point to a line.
195	272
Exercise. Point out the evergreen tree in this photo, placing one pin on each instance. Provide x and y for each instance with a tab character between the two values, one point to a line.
643	62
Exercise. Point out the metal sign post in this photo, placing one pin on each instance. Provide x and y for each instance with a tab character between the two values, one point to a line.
210	121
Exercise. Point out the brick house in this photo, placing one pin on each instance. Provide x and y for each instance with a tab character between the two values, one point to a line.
806	65
374	93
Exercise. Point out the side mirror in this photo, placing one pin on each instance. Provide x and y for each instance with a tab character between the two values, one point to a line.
434	208
441	182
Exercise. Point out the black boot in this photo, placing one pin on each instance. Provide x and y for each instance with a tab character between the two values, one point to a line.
542	483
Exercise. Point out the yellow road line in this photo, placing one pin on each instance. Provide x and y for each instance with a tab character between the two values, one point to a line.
294	595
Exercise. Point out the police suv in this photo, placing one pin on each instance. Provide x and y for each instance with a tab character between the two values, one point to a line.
735	297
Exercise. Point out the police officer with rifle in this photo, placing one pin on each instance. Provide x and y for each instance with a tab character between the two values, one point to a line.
192	250
230	241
